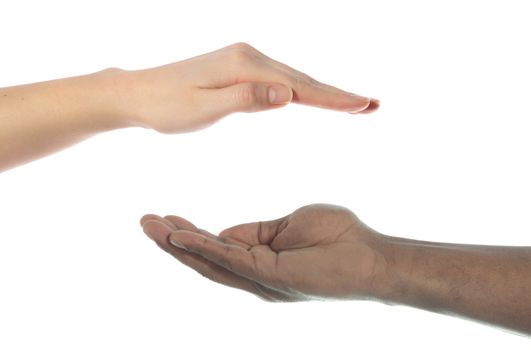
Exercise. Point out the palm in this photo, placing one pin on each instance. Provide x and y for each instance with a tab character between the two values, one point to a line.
316	251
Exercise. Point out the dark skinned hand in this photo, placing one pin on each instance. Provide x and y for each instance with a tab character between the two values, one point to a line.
318	251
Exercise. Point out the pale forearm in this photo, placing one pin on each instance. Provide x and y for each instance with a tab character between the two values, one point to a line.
491	284
42	118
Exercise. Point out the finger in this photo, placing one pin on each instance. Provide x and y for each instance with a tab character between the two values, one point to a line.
245	97
159	232
171	221
304	79
148	217
256	233
248	64
246	263
176	223
373	106
212	271
252	65
309	92
181	223
306	90
220	275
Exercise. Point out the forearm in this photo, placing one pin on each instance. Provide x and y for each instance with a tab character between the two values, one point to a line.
42	118
486	283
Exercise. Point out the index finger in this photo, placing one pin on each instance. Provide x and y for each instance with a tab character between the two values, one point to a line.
250	65
257	265
309	91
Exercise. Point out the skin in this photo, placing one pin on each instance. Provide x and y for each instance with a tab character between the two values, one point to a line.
42	118
326	252
318	251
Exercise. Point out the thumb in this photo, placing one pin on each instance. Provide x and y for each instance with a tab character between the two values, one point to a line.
255	233
249	97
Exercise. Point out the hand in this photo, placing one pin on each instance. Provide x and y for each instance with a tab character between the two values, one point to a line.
323	251
194	93
318	251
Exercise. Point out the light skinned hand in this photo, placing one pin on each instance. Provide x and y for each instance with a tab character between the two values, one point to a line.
196	92
42	118
318	251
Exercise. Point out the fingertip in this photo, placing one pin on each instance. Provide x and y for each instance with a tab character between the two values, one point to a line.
148	217
156	230
373	106
362	103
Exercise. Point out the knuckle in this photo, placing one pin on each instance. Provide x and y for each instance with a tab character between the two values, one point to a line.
200	246
112	70
241	54
247	95
309	79
226	264
242	46
298	82
303	80
240	57
225	260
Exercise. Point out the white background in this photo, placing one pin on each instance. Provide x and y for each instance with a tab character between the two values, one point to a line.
446	158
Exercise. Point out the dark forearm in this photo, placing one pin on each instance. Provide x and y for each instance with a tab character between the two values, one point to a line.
486	283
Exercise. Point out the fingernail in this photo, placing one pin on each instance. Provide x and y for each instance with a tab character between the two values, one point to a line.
177	244
279	95
364	102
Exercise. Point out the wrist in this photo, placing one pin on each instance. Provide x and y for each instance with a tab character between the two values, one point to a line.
110	98
392	265
407	274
